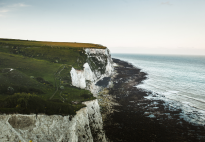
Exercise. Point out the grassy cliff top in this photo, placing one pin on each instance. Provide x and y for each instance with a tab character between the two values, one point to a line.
31	43
35	76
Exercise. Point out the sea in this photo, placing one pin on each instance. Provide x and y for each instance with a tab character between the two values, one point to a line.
179	80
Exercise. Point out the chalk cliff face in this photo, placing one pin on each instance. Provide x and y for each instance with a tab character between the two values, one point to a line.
99	65
85	126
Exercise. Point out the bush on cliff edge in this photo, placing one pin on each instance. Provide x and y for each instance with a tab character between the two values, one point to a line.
31	103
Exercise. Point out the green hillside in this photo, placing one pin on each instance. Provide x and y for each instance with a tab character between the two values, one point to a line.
35	76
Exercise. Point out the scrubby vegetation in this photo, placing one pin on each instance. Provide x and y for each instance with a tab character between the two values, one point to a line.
96	65
35	76
27	103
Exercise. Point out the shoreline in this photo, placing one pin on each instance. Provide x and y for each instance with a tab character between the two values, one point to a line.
139	119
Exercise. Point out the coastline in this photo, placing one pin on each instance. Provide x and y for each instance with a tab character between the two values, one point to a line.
139	119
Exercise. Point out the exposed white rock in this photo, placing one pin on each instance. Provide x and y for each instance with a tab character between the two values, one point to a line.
11	69
79	77
115	65
97	51
109	67
88	74
54	128
95	121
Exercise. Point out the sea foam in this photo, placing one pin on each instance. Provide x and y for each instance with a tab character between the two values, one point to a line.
177	80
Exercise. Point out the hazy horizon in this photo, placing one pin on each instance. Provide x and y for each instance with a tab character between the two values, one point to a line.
124	26
162	54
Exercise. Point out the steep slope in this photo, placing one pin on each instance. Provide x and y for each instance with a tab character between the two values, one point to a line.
99	65
51	86
85	126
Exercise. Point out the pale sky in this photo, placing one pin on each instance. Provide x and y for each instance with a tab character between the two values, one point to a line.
124	26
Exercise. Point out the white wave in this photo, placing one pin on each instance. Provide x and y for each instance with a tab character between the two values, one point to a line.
181	81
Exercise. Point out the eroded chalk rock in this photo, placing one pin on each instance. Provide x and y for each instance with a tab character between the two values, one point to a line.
82	127
22	122
103	68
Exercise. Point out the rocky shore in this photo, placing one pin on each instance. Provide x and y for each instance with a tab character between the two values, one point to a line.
133	118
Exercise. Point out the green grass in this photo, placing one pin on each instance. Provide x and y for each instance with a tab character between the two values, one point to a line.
29	43
41	69
31	103
72	57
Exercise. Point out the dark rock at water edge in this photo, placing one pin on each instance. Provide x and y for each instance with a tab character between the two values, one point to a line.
138	119
103	82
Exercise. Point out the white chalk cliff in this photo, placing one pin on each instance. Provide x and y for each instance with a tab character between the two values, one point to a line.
85	126
88	77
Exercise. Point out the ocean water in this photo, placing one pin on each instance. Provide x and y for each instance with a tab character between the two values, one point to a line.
179	80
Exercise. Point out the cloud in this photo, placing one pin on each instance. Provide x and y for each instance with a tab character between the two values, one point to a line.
3	12
17	5
166	3
5	9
